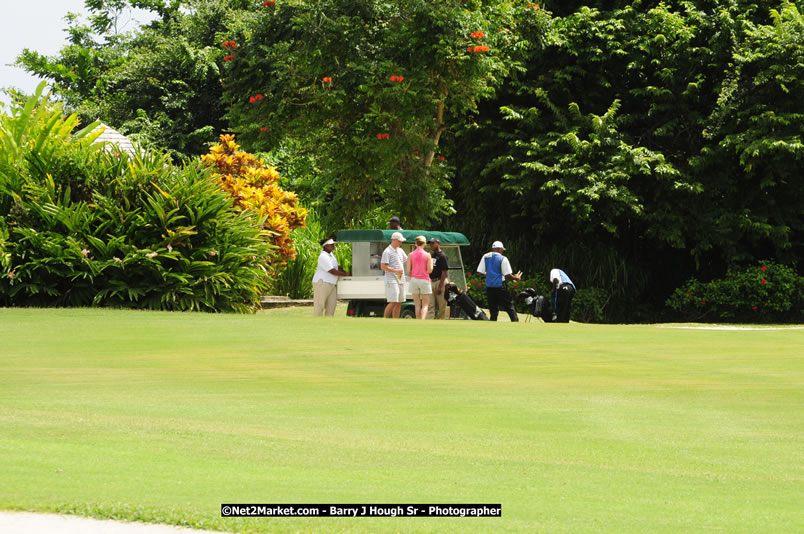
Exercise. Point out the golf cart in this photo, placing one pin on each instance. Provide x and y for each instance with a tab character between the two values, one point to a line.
365	289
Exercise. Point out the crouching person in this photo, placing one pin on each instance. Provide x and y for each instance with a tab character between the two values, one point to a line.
563	291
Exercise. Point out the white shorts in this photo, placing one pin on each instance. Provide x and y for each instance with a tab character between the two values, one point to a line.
394	292
420	287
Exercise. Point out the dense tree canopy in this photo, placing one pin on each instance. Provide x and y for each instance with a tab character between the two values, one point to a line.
659	139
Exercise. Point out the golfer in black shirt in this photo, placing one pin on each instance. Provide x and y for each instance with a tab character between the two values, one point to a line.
438	279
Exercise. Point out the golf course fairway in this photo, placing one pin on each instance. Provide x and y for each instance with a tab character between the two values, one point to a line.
162	417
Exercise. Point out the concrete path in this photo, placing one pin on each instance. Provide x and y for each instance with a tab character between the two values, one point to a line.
28	523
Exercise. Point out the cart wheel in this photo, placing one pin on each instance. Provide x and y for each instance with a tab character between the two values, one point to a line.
407	314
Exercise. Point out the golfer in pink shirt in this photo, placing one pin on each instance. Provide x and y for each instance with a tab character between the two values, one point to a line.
420	265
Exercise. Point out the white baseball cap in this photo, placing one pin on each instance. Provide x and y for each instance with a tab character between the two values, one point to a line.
497	244
398	236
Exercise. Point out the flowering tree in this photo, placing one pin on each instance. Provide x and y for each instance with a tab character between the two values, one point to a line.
373	87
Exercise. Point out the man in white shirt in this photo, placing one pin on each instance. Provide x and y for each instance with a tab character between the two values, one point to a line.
392	262
325	289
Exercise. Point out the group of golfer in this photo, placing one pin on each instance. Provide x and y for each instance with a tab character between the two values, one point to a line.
428	282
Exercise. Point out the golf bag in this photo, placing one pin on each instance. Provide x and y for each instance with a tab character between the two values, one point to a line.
537	305
465	302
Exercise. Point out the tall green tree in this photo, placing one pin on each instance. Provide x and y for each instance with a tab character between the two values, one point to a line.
372	86
755	150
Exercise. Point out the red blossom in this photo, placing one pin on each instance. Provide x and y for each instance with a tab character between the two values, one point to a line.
327	79
755	308
440	158
703	303
764	281
379	136
470	49
258	96
252	99
763	269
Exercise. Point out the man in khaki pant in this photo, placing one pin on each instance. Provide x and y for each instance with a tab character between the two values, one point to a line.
325	289
438	281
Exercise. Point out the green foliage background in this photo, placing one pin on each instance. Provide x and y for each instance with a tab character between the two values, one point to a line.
82	224
635	144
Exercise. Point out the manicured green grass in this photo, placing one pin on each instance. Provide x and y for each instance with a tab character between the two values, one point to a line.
573	428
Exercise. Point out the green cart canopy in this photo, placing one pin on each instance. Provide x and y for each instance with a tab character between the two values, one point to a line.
384	236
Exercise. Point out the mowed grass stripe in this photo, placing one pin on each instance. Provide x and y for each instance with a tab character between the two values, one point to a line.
162	417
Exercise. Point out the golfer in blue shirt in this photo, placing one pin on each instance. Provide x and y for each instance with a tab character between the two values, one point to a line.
498	270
